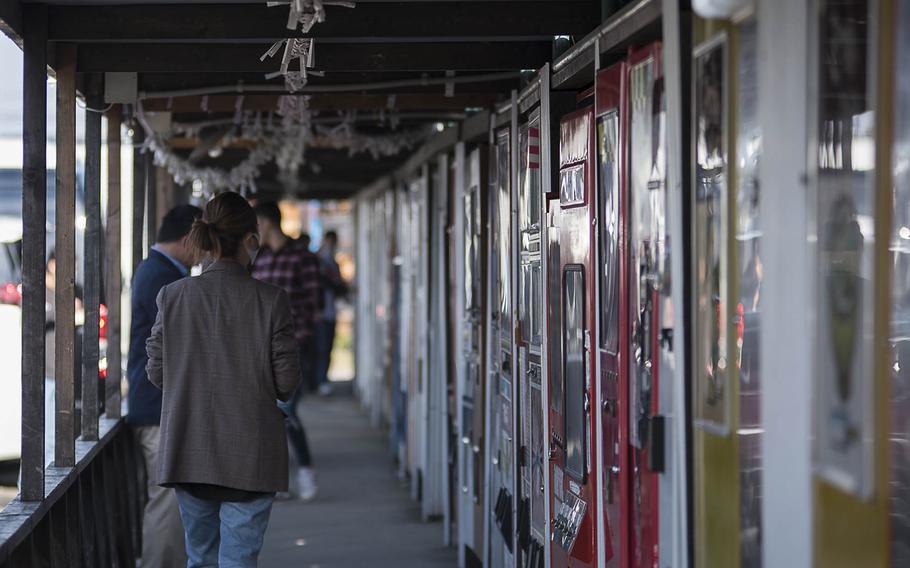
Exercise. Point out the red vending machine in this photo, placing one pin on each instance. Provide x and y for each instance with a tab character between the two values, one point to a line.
612	315
647	270
573	471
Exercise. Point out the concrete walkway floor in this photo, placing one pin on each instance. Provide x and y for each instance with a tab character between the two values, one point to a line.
363	515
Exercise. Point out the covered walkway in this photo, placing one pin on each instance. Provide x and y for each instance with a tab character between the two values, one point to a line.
363	515
631	280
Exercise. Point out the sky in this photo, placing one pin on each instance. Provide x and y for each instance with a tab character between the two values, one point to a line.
11	110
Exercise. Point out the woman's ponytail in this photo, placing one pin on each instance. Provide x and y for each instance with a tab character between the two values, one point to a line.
225	221
204	238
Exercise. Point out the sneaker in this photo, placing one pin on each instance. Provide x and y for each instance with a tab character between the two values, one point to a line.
325	389
306	484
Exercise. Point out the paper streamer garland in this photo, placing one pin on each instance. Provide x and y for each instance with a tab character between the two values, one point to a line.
284	141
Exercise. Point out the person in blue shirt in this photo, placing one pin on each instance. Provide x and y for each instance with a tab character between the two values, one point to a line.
169	259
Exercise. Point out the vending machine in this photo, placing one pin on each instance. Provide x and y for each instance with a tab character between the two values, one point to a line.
650	327
500	394
531	516
471	391
573	470
611	119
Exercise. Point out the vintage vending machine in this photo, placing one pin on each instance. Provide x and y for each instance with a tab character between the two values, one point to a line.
471	391
572	468
649	329
611	121
531	516
500	394
726	282
415	307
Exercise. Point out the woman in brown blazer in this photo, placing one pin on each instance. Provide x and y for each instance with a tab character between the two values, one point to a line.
223	352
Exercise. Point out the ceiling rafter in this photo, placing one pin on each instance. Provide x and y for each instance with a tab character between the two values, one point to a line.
218	57
184	50
394	20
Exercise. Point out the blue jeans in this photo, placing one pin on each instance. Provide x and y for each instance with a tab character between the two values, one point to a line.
292	422
221	533
294	427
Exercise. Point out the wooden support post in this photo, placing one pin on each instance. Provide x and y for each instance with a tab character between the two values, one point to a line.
92	257
139	181
34	206
65	248
112	273
151	200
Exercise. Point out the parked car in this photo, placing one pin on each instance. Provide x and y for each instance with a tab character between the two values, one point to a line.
11	298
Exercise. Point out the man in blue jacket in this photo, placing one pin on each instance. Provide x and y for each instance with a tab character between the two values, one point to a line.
169	259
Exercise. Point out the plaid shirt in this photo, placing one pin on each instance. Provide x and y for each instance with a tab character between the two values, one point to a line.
295	269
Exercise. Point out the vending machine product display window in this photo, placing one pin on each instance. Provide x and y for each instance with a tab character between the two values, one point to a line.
899	435
574	369
844	232
712	404
554	313
748	310
608	181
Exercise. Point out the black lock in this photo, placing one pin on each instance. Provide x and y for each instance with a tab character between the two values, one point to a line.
656	443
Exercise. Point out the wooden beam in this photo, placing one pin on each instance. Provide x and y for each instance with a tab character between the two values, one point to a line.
65	248
11	20
635	24
373	21
228	103
240	57
112	272
92	257
34	236
151	82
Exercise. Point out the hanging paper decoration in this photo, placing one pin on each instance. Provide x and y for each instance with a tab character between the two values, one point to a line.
303	14
346	136
308	13
283	141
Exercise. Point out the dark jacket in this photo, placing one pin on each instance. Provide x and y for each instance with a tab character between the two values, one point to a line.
152	274
223	351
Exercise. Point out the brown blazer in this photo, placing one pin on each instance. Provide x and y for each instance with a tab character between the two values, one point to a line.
223	352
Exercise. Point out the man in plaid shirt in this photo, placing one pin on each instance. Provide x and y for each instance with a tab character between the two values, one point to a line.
289	264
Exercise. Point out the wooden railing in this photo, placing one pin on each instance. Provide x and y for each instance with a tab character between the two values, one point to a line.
85	509
91	514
